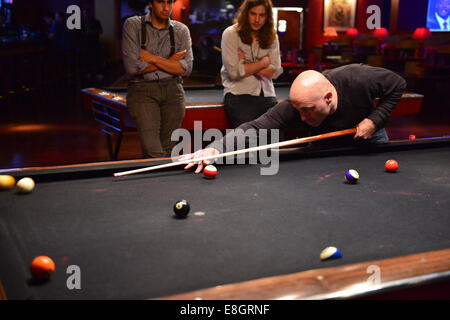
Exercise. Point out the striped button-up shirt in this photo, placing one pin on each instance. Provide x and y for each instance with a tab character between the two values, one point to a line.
158	43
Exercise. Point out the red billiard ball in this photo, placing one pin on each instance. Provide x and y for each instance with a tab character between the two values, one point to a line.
412	137
210	171
391	165
42	268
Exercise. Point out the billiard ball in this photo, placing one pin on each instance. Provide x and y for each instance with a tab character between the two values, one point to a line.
181	208
210	172
42	268
412	137
7	182
391	165
330	253
351	176
25	185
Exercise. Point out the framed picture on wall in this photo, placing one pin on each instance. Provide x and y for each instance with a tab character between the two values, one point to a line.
339	14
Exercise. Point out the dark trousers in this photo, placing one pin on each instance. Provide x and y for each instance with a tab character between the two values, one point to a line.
244	108
379	136
158	109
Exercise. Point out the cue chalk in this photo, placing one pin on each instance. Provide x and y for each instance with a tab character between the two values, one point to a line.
233	153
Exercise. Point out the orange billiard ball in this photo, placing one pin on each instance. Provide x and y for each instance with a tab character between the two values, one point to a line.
7	182
42	268
391	165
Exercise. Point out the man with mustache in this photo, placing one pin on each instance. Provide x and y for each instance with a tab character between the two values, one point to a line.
157	52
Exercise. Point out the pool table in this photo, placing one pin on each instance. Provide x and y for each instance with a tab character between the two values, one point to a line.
203	103
247	236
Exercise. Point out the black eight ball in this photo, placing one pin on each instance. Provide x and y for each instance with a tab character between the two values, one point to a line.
181	208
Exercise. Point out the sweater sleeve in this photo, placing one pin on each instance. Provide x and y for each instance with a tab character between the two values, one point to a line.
275	58
131	48
281	116
388	87
230	59
186	44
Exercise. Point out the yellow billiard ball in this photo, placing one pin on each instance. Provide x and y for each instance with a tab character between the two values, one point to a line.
7	182
25	185
330	253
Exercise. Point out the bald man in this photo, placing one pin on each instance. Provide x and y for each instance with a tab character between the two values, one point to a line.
315	98
340	99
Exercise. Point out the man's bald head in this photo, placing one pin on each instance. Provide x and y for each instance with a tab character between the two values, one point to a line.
309	86
314	96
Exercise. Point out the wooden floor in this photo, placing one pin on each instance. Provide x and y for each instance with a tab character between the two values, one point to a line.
57	130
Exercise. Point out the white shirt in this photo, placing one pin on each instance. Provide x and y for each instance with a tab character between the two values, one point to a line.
441	22
233	70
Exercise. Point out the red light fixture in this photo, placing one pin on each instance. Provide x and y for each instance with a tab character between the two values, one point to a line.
380	33
330	32
421	34
352	32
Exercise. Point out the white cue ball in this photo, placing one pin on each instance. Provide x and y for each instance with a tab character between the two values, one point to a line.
25	185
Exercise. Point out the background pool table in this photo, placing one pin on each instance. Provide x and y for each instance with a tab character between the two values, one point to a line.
203	103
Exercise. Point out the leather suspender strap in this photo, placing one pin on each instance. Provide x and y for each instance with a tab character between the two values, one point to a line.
143	33
172	41
144	36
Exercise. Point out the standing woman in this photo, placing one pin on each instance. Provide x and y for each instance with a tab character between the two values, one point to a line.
251	59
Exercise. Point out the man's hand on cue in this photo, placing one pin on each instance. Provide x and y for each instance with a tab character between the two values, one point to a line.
365	129
198	155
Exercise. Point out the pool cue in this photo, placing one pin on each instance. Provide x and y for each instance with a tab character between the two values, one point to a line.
248	150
